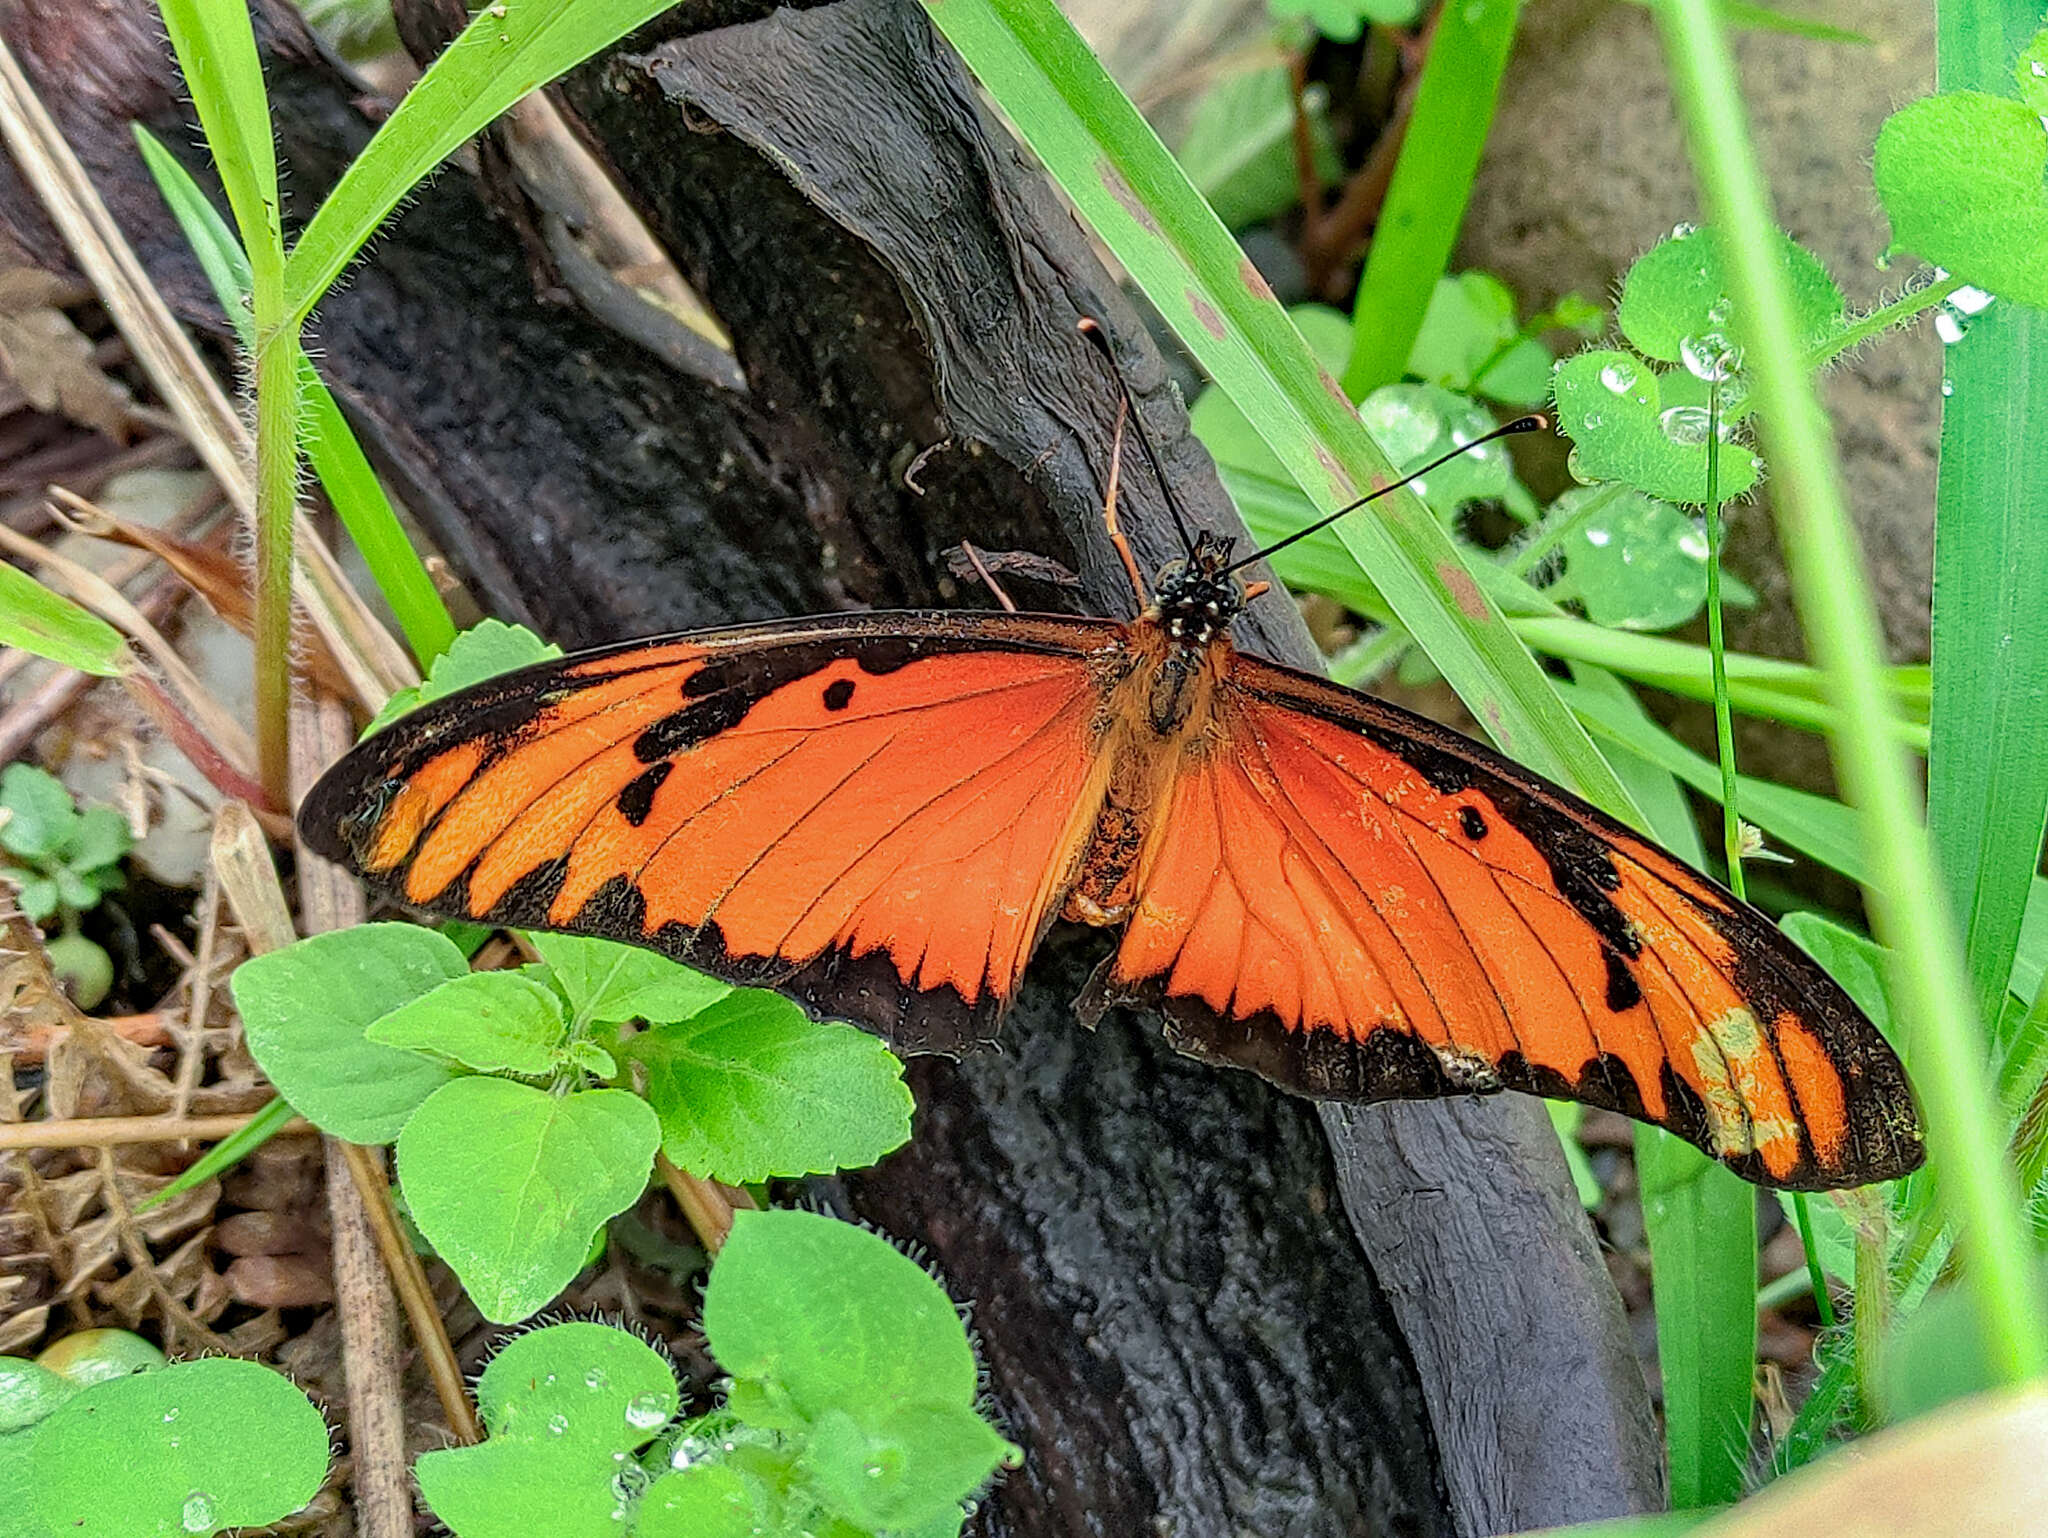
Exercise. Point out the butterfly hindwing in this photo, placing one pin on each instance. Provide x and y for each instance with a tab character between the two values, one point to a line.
874	813
1362	905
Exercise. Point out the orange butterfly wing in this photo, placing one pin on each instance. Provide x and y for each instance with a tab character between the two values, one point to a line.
877	814
1360	905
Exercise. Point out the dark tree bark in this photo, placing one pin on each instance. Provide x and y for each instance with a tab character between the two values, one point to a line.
1182	1327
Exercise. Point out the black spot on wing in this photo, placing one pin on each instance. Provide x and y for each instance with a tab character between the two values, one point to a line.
1471	820
838	694
636	801
1623	991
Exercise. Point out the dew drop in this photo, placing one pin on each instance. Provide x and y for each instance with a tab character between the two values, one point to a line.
1719	311
1969	301
1948	387
170	1415
1950	327
1685	229
1685	425
1599	538
558	1425
2038	70
1694	544
595	1378
1593	421
1619	377
646	1412
1420	487
1711	357
197	1514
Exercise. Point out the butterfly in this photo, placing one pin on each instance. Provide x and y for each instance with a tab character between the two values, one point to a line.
881	815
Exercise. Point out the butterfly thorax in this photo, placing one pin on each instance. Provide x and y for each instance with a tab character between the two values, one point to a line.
1198	598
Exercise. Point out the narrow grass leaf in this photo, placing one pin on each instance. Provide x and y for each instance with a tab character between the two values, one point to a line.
508	49
331	447
1425	202
1101	150
38	620
216	50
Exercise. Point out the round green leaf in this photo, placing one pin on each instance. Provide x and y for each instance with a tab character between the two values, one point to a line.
199	1446
93	1356
1960	177
817	1315
306	1011
909	1467
751	1088
1610	404
1416	423
580	1383
706	1500
1677	291
28	1392
516	1489
509	1183
1638	563
490	1021
41	820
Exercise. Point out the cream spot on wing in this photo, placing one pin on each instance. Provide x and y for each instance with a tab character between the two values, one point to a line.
1737	1073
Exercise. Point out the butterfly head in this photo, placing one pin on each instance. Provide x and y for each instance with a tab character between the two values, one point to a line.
1196	599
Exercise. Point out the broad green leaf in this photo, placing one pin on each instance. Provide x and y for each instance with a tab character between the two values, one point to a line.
18	1485
609	981
483	651
29	1391
331	448
1239	149
494	1022
751	1089
502	1489
705	1500
506	51
1677	291
94	1356
509	1183
51	625
305	1011
811	1314
1638	564
199	1446
41	819
1611	405
1960	177
903	1469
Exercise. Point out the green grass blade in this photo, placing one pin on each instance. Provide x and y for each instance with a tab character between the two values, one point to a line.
1700	1218
1135	196
1425	203
227	1153
1931	985
216	50
1986	809
331	447
51	625
508	50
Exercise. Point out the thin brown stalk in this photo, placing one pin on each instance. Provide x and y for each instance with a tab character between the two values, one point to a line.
122	1131
707	1205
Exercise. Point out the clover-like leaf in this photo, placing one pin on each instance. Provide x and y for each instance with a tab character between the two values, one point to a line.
608	981
307	1009
494	1022
40	819
751	1088
1611	404
1470	340
510	1183
98	839
1960	178
199	1446
563	1404
1677	292
1638	563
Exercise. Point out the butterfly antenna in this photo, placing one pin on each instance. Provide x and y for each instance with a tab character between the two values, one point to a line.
1534	422
1093	329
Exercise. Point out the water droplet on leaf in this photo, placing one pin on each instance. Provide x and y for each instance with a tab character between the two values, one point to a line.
198	1513
1619	377
1711	357
646	1412
1684	425
558	1425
